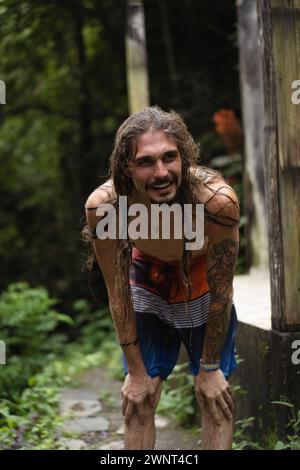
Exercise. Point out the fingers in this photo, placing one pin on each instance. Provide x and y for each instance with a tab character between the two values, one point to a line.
215	414
155	396
141	412
141	403
147	406
201	401
128	409
224	407
141	409
228	399
217	407
152	400
128	412
124	405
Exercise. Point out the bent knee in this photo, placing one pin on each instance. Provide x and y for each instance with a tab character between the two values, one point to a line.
221	421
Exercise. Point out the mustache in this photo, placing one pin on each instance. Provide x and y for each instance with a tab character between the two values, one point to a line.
160	181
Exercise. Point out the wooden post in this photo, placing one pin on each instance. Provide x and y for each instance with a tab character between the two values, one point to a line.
2	92
279	28
251	81
136	57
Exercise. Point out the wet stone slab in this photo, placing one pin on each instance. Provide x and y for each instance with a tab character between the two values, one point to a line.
83	425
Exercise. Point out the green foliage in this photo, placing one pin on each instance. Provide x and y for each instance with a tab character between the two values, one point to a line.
96	325
243	441
177	399
56	132
63	108
31	420
97	334
29	330
292	441
241	437
40	362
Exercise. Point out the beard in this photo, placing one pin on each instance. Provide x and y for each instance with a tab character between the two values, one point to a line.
168	199
164	198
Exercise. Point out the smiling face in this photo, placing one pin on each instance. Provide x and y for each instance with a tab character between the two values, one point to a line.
156	168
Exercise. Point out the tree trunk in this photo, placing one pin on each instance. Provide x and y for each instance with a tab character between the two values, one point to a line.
279	22
136	57
169	49
253	114
84	105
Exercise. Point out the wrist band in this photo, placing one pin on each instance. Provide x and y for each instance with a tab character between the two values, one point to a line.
209	366
129	344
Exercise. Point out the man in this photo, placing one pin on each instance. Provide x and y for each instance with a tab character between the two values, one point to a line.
175	295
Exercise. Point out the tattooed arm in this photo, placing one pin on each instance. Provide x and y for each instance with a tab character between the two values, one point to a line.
138	387
222	213
221	262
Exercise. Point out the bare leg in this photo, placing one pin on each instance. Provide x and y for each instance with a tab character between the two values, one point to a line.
139	436
216	437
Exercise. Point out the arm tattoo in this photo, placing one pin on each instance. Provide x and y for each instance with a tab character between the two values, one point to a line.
220	271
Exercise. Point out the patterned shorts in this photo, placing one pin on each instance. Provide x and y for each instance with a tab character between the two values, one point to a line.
162	319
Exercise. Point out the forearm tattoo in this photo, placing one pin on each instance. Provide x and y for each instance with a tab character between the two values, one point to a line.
220	270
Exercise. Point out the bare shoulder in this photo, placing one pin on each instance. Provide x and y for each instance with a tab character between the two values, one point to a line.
104	194
104	249
219	198
101	195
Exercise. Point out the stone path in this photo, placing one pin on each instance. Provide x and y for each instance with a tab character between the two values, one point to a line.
95	420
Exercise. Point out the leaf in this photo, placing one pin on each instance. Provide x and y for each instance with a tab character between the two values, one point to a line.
64	318
283	403
281	446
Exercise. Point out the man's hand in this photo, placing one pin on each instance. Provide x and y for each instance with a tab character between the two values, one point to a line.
139	393
214	395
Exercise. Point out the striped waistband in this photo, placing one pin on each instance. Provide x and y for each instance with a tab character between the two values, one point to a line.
157	288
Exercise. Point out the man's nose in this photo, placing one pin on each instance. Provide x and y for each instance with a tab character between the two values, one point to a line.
160	170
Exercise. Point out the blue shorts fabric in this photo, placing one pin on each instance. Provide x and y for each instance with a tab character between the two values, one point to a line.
158	295
160	345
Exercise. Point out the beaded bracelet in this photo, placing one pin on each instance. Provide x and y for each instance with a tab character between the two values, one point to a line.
209	367
129	344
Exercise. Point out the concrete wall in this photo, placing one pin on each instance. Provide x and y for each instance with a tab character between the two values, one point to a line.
267	374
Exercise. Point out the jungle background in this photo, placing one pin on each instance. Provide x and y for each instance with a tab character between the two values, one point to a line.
64	66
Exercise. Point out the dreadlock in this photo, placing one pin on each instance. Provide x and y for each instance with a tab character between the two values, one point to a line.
153	119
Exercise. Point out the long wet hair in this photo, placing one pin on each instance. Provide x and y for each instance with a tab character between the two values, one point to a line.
153	119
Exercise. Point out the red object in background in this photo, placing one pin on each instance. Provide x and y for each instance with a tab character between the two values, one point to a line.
232	180
229	128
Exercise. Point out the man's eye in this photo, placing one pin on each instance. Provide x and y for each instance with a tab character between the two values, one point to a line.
144	163
169	158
